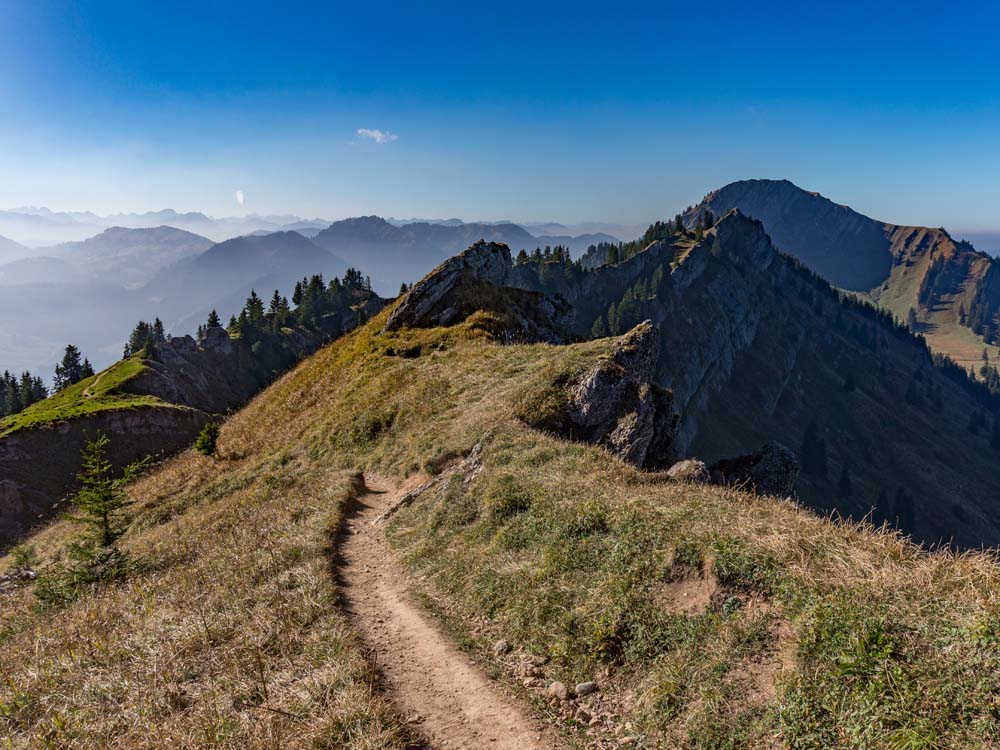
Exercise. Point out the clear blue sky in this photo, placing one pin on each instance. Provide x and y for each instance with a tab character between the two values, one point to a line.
603	111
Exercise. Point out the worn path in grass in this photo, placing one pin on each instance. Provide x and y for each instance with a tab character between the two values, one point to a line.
452	704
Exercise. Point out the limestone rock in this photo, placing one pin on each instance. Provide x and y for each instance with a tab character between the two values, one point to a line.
772	470
483	261
559	691
586	688
616	404
689	470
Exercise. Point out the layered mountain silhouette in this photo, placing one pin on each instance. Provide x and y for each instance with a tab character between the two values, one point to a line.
404	253
133	256
10	250
952	288
222	276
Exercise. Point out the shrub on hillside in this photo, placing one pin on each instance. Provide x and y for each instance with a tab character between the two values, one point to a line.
207	439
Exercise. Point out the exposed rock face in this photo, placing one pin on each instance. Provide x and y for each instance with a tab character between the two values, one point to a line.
477	280
617	405
689	470
483	261
772	470
754	347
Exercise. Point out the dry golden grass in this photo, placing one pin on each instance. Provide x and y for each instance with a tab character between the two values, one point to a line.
229	634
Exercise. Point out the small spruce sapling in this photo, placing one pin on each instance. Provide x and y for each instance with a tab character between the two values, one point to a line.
101	500
207	439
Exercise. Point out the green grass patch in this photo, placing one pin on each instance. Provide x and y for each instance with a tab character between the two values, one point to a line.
100	392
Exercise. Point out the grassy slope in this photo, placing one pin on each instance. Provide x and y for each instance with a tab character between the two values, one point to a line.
941	325
97	393
555	545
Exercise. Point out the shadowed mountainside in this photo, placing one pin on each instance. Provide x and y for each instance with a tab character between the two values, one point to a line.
953	289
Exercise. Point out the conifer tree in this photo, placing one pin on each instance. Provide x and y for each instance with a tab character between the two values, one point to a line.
101	499
599	330
69	370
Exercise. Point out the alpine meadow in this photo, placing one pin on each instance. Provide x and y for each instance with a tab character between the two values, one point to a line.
661	445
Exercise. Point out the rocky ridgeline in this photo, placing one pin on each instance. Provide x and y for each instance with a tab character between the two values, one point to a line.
478	280
618	402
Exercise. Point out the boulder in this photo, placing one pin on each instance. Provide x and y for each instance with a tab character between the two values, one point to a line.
689	470
586	688
772	470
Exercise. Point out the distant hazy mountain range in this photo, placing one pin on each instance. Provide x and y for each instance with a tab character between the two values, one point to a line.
37	227
90	291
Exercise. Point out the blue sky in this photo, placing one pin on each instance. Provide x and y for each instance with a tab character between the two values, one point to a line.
530	111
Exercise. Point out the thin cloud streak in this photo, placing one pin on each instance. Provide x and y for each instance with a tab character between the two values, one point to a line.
380	137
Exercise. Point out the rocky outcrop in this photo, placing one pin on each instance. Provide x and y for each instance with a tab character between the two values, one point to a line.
478	280
617	404
772	470
484	261
689	470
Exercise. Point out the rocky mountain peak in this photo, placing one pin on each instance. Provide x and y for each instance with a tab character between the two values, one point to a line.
483	261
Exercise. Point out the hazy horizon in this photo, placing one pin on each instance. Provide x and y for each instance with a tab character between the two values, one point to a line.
536	113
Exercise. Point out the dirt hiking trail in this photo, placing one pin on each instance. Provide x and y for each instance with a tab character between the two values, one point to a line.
434	686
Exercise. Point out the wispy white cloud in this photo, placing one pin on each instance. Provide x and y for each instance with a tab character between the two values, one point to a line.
379	136
240	198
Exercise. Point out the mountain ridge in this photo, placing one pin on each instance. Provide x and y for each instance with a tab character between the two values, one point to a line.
899	267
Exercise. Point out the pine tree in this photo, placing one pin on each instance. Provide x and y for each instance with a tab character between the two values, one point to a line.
12	395
213	320
88	369
599	330
254	307
69	370
101	499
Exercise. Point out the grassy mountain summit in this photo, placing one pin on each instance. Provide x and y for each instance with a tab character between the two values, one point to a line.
707	616
951	288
